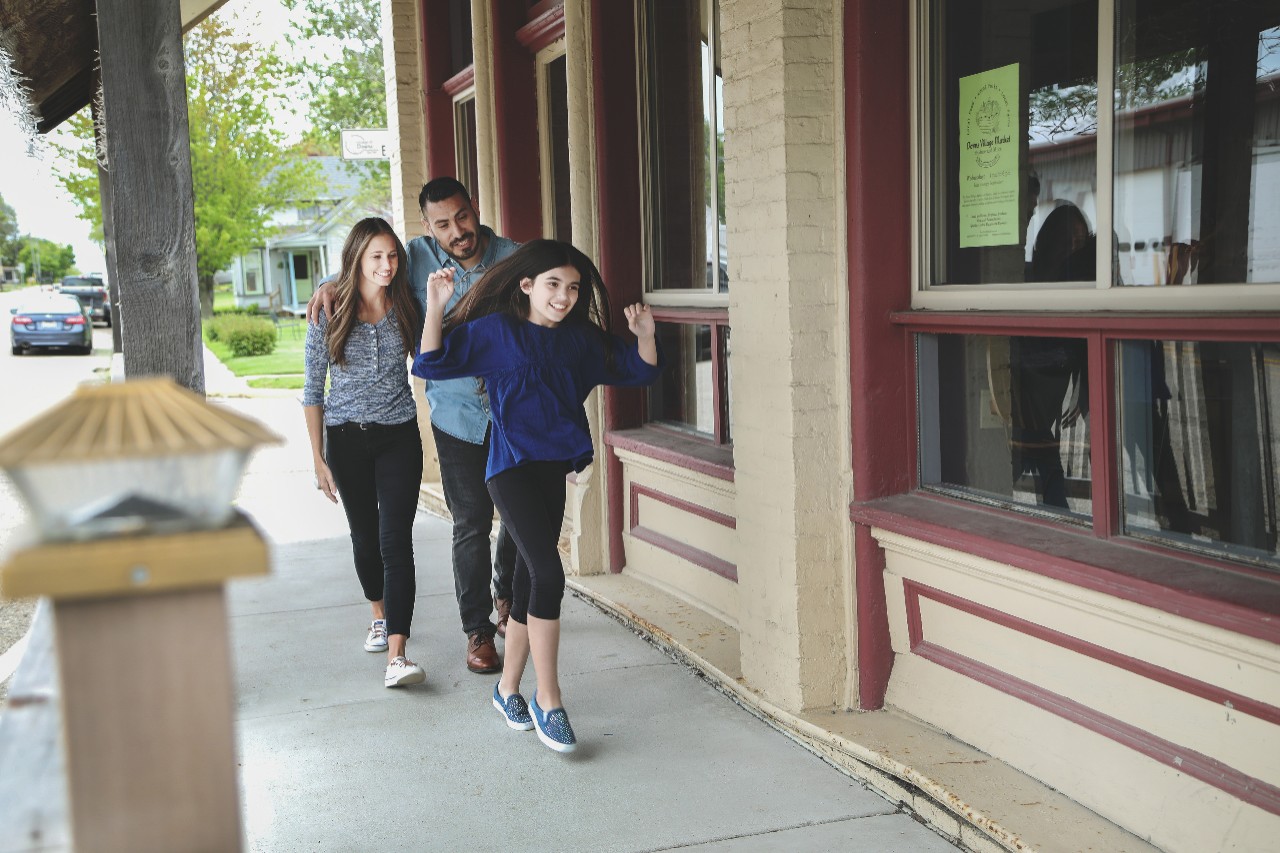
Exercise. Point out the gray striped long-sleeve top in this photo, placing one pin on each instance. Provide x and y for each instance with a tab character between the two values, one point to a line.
372	387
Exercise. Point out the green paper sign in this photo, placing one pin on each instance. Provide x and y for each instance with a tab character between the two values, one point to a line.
990	132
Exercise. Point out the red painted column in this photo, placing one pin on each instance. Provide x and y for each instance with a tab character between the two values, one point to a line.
878	176
613	60
438	105
516	100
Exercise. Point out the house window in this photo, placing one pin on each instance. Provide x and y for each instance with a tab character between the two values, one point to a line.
252	274
687	273
1104	177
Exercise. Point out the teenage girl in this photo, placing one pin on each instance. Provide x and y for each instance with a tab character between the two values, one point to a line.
373	453
535	329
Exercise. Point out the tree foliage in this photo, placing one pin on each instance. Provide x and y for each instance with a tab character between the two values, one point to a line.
54	261
341	41
9	243
75	166
240	168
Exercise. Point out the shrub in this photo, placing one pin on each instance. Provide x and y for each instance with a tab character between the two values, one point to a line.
244	335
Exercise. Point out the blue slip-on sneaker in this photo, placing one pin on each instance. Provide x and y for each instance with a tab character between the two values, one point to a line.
514	710
553	727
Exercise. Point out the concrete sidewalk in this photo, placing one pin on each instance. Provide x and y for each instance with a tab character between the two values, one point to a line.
330	760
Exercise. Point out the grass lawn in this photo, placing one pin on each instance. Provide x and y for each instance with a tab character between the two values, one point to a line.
289	381
223	298
287	359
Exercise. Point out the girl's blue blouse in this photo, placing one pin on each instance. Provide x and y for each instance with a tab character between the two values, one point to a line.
537	379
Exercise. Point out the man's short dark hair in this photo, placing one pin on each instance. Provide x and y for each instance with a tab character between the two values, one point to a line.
441	189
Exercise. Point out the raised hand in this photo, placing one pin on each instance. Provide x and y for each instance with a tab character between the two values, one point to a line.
439	289
639	320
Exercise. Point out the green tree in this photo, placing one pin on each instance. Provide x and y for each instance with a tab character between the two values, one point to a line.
9	242
76	167
342	43
241	170
51	260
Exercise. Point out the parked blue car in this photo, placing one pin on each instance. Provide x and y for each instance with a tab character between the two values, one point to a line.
50	320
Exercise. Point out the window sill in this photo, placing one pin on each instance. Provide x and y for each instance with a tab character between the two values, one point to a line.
1237	598
703	457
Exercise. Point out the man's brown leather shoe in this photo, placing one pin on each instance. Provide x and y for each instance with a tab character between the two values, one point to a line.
503	607
482	654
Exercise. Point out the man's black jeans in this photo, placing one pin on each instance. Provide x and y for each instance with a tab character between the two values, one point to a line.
462	468
378	470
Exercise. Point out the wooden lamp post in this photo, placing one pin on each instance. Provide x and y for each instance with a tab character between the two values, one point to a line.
130	488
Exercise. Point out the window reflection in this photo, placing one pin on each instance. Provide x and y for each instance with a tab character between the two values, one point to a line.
1200	443
1007	418
1194	80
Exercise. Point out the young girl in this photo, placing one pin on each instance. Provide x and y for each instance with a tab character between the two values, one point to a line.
373	457
536	330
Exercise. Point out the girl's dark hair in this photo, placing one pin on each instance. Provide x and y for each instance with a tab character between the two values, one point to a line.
347	290
499	290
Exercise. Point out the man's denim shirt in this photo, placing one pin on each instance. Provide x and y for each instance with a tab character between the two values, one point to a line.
458	407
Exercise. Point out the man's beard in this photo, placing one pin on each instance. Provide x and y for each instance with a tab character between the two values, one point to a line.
475	247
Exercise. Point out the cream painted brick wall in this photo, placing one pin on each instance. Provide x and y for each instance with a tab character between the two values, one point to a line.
402	64
787	314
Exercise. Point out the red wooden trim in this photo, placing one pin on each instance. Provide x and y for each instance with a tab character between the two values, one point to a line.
542	7
675	448
515	95
668	314
617	152
460	82
437	103
1152	672
1204	768
685	506
684	550
1237	598
1213	327
1103	428
687	552
877	99
542	30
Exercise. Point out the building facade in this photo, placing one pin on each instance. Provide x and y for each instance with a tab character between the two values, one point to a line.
940	475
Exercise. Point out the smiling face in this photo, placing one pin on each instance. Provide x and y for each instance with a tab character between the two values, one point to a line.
552	295
455	225
379	262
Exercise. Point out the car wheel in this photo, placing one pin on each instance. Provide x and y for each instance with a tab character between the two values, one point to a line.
16	350
85	350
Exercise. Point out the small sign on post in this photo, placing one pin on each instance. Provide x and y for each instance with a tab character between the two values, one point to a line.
371	144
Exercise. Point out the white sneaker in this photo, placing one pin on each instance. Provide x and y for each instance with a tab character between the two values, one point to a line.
377	639
402	671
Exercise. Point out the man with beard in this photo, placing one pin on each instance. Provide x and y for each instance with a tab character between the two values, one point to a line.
455	239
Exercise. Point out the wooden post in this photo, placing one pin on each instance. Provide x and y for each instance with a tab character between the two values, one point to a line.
149	152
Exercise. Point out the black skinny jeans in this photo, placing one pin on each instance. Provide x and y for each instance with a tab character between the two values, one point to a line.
378	470
462	467
531	499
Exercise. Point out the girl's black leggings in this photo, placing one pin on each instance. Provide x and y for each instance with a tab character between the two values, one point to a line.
530	498
378	470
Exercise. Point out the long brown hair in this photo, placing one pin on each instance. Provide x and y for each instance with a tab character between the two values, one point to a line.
499	290
347	290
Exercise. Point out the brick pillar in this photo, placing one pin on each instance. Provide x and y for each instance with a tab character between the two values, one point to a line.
402	65
787	308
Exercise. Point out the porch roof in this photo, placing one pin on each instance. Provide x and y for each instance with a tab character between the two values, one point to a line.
53	50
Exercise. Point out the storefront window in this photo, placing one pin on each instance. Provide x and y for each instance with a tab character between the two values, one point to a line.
685	139
1056	173
1200	444
1017	159
688	395
1007	420
1197	151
